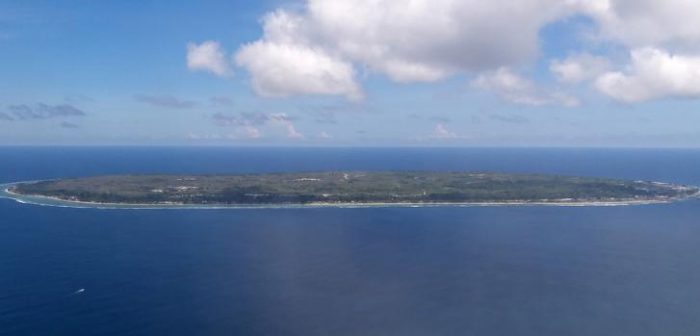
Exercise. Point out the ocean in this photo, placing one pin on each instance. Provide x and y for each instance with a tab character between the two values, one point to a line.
529	270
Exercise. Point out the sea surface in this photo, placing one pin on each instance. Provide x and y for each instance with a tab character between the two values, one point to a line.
532	270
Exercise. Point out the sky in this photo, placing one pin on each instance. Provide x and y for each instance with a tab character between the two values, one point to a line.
545	73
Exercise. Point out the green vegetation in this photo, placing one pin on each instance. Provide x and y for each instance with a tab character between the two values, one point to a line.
351	187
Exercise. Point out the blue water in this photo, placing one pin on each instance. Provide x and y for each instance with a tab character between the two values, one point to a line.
387	271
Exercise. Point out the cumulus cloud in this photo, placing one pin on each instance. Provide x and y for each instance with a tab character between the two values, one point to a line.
241	119
319	48
292	132
249	122
251	132
653	73
246	125
280	70
41	111
664	42
288	124
639	23
313	51
441	132
166	101
285	62
579	68
516	89
426	40
208	56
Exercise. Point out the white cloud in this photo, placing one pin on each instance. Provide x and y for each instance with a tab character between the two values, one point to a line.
317	48
211	136
441	132
248	125
579	68
426	40
288	124
664	42
292	132
515	89
653	73
324	135
165	101
313	51
251	132
280	70
208	56
639	23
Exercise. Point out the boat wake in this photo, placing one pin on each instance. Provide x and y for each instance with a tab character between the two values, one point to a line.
41	305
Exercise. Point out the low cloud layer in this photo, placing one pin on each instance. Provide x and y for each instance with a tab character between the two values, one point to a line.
221	101
40	111
250	123
165	101
441	132
516	89
69	125
241	119
509	118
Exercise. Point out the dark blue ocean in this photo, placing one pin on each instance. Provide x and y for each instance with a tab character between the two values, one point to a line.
375	271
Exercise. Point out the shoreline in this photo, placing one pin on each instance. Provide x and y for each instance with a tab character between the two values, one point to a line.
59	202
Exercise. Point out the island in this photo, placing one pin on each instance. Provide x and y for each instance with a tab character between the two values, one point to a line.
351	188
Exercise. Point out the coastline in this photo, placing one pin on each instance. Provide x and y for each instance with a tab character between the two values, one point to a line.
40	200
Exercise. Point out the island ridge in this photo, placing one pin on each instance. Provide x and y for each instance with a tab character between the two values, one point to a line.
351	188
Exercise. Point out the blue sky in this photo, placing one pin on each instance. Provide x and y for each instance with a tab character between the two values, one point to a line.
604	73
